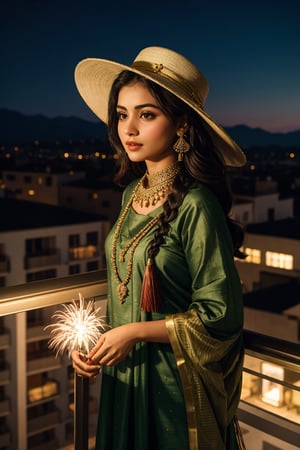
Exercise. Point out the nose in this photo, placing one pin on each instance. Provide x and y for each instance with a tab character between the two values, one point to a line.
131	129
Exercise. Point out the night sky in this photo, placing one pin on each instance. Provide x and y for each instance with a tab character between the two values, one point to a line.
248	50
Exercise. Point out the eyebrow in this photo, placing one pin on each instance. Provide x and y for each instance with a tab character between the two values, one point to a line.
144	105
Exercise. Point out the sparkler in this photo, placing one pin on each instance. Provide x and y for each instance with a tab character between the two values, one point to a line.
77	327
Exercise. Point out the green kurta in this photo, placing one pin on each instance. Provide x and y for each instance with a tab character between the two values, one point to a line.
143	403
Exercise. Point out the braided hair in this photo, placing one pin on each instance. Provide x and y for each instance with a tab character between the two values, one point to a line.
202	163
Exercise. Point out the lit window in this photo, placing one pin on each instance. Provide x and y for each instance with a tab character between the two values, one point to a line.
31	192
280	260
253	255
272	392
93	195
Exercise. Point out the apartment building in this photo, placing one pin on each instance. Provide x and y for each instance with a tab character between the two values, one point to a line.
41	242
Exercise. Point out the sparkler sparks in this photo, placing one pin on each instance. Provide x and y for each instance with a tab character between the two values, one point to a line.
77	327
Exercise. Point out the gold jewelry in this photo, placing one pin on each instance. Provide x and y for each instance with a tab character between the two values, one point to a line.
181	146
122	289
154	187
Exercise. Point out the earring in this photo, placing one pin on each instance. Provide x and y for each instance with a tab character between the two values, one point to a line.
181	146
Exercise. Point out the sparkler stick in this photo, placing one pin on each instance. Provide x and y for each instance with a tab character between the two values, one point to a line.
77	327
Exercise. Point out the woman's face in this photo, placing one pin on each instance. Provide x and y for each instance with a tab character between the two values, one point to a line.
146	133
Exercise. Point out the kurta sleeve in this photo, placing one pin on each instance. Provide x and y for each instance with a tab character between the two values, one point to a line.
207	244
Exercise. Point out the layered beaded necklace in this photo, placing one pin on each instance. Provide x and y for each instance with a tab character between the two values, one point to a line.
158	185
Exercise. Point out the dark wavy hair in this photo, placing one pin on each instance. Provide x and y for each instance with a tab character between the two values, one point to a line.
202	163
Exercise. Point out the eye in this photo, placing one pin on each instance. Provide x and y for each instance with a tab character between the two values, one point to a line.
148	115
121	115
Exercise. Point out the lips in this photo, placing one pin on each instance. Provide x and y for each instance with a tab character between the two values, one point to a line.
133	146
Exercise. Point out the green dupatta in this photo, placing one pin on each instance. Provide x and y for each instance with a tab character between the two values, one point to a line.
210	371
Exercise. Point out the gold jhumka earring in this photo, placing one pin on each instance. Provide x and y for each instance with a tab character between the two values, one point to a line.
181	146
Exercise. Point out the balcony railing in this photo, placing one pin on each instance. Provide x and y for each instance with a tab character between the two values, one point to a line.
42	260
270	401
270	398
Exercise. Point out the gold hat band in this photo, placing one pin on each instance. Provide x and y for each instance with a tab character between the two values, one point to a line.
165	72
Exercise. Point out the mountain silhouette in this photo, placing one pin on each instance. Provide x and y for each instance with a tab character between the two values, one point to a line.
20	129
251	137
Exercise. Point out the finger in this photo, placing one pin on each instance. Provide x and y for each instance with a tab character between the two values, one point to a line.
88	374
95	350
86	367
109	360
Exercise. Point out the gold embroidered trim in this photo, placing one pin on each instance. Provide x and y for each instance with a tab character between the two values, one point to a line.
186	384
239	434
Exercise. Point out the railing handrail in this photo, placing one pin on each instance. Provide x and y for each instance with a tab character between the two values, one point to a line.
275	348
50	292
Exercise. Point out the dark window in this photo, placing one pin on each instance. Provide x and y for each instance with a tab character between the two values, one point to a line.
75	268
11	177
74	240
92	238
42	275
40	246
92	265
48	181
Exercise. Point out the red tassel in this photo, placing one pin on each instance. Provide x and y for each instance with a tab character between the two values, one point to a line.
150	298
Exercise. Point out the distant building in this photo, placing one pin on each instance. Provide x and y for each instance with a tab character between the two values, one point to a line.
92	196
257	201
72	189
41	186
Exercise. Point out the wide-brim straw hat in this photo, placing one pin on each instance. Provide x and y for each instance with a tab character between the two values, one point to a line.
94	78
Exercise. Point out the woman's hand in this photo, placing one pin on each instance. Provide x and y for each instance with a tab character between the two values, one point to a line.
114	345
83	366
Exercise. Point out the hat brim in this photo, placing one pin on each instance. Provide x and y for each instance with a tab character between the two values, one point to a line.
94	78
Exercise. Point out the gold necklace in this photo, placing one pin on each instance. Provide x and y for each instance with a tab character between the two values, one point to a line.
122	289
154	187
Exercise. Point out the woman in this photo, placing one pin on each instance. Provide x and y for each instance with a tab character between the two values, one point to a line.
172	360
